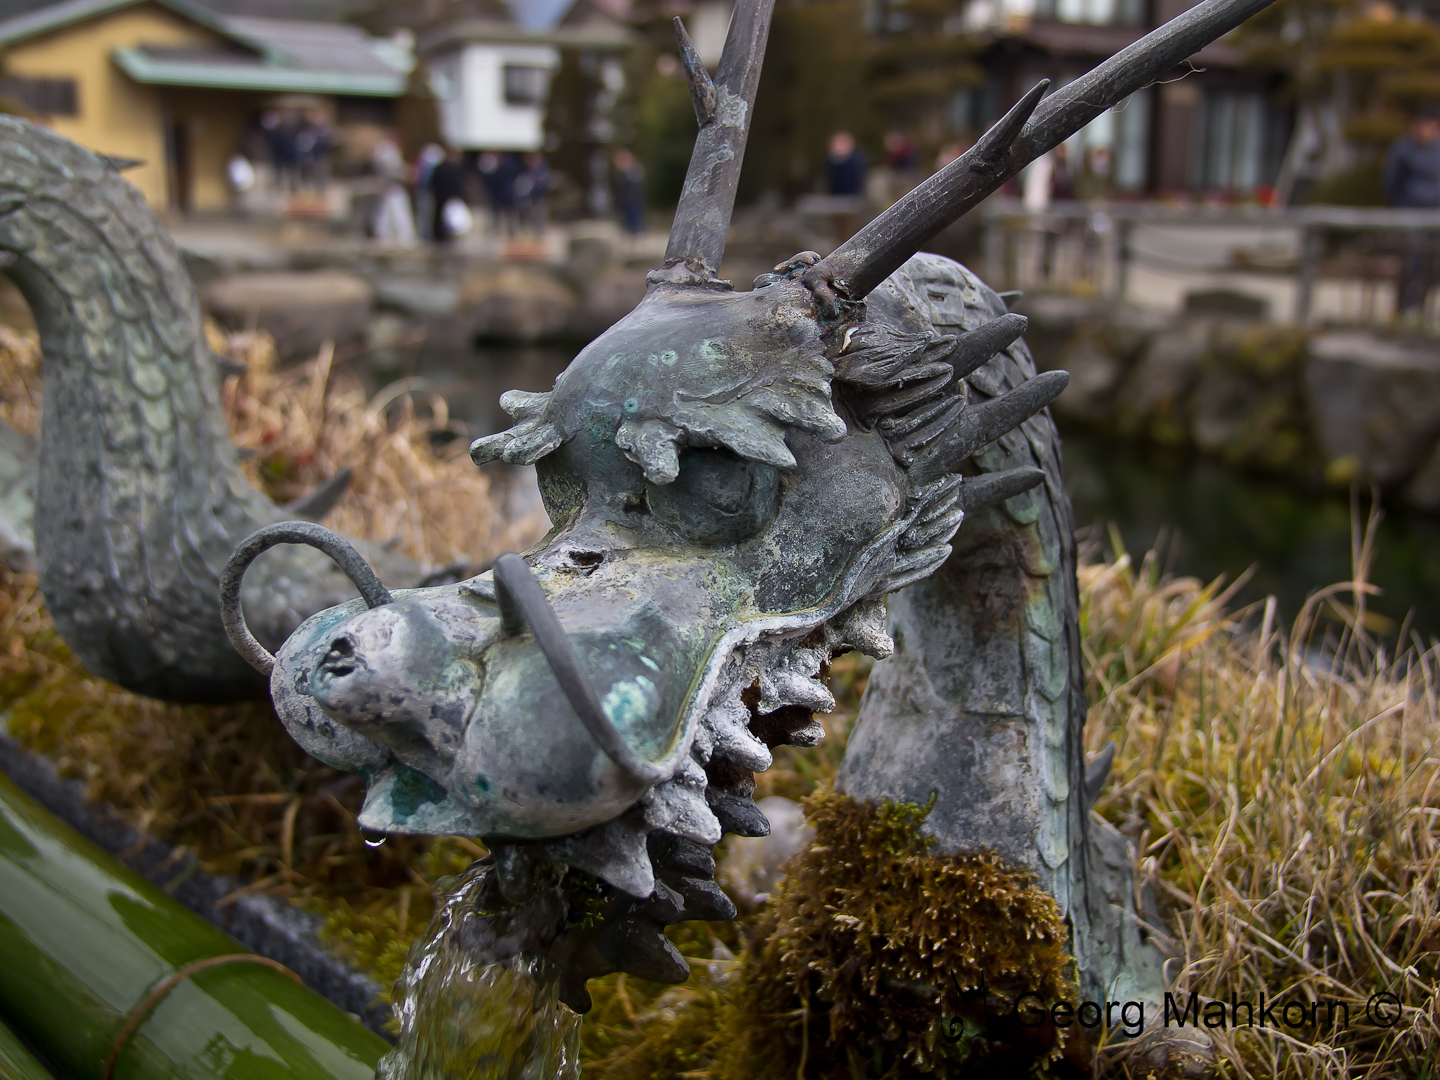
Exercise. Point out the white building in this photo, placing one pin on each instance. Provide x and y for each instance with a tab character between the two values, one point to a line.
492	78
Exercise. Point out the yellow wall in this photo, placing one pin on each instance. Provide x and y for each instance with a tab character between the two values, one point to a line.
121	117
215	120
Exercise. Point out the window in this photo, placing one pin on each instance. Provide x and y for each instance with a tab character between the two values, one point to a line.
1094	12
526	84
48	97
1239	141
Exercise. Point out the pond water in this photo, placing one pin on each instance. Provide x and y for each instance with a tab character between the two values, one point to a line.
1214	521
1218	522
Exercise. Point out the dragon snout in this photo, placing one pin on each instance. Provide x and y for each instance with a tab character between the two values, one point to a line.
529	706
394	675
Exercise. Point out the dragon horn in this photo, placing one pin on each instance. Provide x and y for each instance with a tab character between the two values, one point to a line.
724	107
878	250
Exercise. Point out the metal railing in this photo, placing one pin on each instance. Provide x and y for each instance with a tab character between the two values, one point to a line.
1092	248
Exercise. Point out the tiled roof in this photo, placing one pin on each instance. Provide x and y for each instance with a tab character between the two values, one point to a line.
275	55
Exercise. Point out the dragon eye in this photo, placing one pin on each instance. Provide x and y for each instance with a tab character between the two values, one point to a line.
719	498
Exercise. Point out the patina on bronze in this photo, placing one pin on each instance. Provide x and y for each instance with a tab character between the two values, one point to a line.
737	480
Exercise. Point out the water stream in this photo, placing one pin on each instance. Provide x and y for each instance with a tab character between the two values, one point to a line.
464	1019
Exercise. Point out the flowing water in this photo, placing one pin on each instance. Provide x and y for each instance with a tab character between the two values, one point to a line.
464	1019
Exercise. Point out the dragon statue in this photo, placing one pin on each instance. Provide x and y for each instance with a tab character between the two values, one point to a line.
737	480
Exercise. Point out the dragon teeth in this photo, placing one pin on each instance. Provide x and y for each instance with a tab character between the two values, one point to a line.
729	728
680	807
785	687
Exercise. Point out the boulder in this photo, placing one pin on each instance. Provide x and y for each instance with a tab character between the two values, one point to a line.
1374	403
516	303
1054	321
1246	406
609	297
1155	394
1094	374
1226	304
1423	491
300	309
417	295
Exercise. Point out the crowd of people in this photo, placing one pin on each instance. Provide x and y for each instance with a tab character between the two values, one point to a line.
431	198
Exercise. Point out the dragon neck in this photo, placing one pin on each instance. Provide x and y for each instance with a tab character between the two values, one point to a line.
140	496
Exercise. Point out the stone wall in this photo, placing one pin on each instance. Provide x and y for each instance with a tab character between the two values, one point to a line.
1331	407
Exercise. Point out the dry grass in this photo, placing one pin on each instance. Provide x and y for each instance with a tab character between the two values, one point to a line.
1283	792
414	484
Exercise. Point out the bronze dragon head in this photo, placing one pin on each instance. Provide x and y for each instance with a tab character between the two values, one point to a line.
736	481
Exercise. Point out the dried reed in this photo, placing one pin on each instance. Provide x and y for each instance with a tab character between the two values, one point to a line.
414	485
1284	792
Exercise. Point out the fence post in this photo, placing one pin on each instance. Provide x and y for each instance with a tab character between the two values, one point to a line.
1124	227
1310	244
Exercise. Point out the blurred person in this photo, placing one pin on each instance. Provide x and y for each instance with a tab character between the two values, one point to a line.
430	155
629	190
951	151
240	173
1094	179
900	151
313	144
1037	183
532	192
498	173
280	132
1062	186
394	224
844	166
897	174
1412	181
447	184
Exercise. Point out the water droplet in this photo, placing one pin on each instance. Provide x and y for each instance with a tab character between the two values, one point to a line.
372	839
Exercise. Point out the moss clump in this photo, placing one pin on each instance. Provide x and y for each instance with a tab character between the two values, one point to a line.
876	958
887	959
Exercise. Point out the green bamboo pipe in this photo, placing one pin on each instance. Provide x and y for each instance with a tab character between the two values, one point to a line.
17	1063
108	977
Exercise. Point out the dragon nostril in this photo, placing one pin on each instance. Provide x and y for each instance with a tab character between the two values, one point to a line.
339	660
587	560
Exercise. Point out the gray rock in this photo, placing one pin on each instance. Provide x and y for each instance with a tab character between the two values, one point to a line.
608	298
1222	410
517	303
1161	381
1374	403
1054	322
1423	491
1227	304
1094	374
301	310
754	865
417	295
